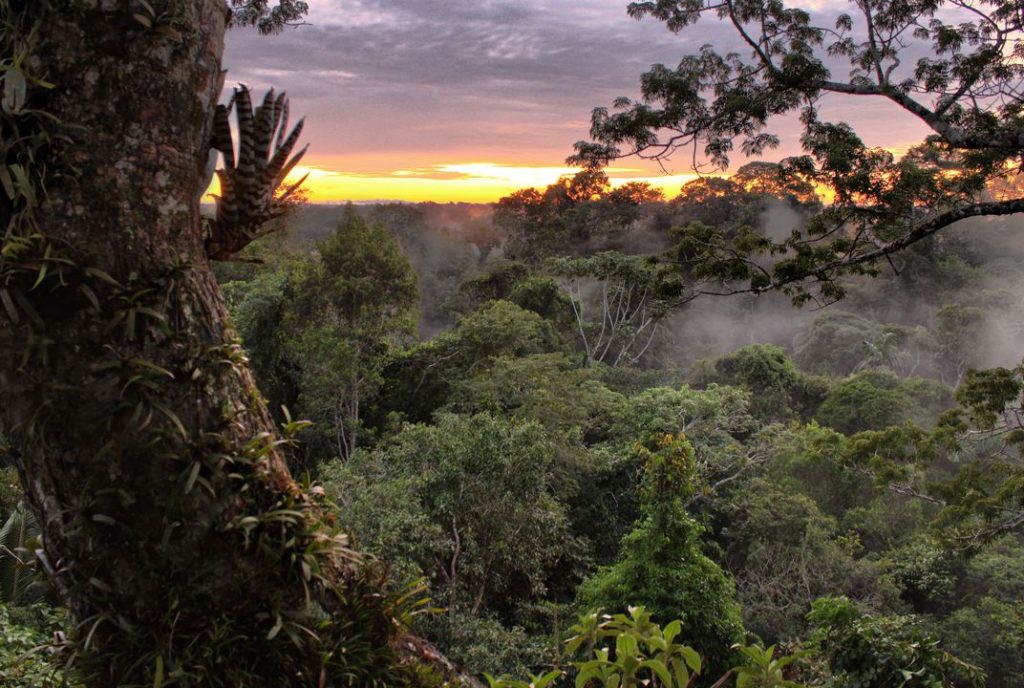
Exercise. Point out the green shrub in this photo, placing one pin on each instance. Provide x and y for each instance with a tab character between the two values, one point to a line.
27	657
865	651
662	567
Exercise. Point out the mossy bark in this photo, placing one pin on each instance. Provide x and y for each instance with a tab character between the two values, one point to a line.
172	527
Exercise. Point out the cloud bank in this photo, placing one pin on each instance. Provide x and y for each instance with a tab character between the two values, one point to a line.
391	85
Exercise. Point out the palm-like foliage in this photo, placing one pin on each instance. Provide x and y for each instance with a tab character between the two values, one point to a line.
249	182
17	573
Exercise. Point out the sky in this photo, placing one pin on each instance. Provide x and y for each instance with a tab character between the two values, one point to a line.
443	100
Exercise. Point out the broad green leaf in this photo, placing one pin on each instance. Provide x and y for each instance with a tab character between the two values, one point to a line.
588	671
692	658
681	674
660	670
672	630
544	680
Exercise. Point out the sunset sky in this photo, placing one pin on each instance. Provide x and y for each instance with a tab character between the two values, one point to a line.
467	101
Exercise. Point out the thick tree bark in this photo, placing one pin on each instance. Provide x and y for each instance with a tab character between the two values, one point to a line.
172	527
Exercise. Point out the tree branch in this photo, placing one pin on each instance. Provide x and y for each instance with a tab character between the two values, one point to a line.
922	231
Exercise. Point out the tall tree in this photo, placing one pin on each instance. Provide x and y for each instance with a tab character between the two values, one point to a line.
618	302
954	65
173	530
352	304
661	566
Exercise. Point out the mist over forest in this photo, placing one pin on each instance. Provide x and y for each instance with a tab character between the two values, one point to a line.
982	260
563	329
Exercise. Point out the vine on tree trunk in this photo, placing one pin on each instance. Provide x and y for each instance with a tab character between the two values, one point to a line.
185	552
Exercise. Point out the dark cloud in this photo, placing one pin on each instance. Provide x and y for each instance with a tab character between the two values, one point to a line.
417	82
427	75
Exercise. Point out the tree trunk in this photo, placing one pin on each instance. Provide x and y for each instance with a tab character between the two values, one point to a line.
173	530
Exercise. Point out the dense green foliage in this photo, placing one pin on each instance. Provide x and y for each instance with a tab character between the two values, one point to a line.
661	566
323	329
518	478
525	411
26	654
516	473
871	652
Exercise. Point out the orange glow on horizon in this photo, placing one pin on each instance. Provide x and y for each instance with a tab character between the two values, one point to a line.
482	182
467	182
